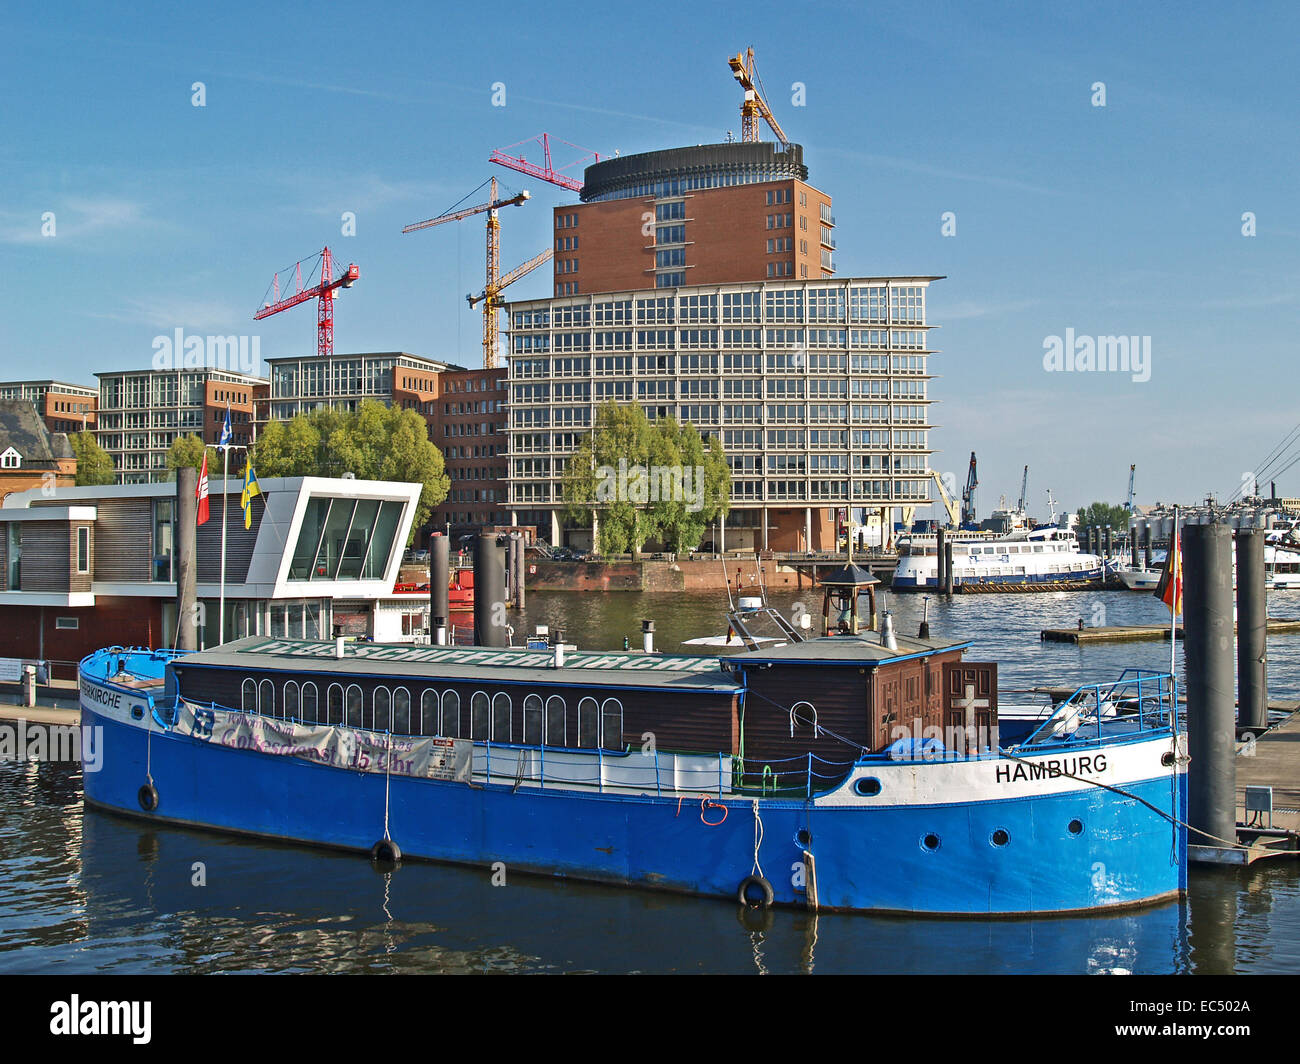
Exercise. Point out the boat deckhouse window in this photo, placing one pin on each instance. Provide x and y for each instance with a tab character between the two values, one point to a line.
248	696
533	720
345	539
478	715
588	724
450	726
355	704
556	721
611	720
334	704
291	700
266	698
381	702
309	702
402	711
501	730
429	713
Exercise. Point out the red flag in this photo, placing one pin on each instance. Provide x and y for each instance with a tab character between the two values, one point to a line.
201	492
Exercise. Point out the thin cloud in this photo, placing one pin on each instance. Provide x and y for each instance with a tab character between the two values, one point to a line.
915	167
74	219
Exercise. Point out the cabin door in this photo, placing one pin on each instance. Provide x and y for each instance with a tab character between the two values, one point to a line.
890	702
970	706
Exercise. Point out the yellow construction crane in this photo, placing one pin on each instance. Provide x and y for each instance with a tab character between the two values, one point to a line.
947	501
494	280
490	297
754	106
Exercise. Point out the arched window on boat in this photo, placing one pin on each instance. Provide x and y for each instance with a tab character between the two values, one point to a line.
479	715
310	699
401	711
533	720
429	713
611	724
248	696
334	704
381	717
291	696
449	728
355	703
266	698
501	730
556	722
588	724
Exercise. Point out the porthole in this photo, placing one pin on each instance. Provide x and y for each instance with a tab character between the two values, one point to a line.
867	786
137	712
1000	837
930	842
803	837
1167	758
1076	827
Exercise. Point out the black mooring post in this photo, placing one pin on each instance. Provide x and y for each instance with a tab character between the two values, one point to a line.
942	542
1252	632
1207	650
439	579
489	594
947	569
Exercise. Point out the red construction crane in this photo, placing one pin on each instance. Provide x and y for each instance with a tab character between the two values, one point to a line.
325	289
547	172
493	257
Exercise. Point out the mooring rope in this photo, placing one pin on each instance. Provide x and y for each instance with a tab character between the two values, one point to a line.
388	775
758	840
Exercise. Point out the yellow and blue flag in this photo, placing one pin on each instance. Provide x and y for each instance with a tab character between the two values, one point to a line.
251	488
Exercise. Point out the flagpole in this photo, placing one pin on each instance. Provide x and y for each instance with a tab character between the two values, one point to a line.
225	502
1176	574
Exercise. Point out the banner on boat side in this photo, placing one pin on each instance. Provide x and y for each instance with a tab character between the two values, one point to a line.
340	747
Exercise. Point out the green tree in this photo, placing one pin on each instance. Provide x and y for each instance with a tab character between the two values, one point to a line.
1101	514
374	442
94	464
189	451
642	481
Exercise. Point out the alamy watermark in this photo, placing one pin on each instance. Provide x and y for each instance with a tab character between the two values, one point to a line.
640	484
234	354
1098	354
23	741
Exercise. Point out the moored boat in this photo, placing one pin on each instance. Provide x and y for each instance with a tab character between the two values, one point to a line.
1044	559
841	772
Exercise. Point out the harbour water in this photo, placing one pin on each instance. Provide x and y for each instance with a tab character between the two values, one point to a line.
82	891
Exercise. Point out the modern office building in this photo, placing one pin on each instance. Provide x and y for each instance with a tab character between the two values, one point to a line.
818	391
301	384
95	567
63	407
142	412
710	214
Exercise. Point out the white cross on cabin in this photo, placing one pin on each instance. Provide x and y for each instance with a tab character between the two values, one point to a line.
970	702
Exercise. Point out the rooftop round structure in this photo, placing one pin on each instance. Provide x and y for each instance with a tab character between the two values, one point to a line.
676	171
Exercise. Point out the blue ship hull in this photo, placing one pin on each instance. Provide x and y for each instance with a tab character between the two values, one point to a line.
864	857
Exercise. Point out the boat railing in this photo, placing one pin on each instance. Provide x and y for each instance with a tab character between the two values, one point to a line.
1141	699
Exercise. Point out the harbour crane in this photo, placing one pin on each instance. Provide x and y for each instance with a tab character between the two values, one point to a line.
1024	491
325	290
949	505
968	495
1132	474
493	285
546	172
754	106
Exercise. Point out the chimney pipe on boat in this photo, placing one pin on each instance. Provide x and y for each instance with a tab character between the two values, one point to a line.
887	638
184	533
648	636
924	633
339	648
1207	651
559	654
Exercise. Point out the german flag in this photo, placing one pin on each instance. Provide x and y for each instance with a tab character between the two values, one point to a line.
1170	589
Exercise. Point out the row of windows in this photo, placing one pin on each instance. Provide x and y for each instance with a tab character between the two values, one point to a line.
883	304
908	339
485	719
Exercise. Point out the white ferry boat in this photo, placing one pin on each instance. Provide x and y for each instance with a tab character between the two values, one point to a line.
1044	559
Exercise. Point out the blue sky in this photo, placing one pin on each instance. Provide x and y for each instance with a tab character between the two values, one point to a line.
1116	220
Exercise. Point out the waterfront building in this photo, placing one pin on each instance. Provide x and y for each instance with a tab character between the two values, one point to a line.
817	390
468	424
95	566
301	384
143	411
63	407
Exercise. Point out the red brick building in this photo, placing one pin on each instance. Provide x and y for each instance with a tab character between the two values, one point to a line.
467	422
63	407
